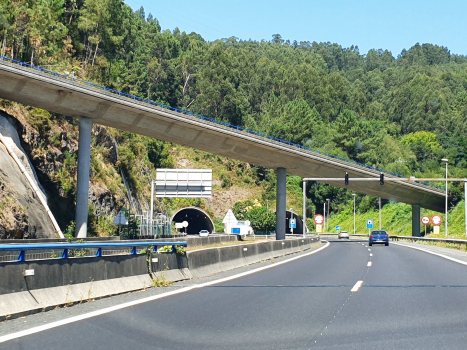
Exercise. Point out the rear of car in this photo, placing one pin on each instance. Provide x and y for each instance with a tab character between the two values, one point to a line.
343	234
380	237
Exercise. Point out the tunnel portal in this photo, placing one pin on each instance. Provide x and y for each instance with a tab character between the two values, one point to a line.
299	223
197	220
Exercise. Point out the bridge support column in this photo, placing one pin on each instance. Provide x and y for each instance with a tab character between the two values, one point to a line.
281	203
416	218
82	192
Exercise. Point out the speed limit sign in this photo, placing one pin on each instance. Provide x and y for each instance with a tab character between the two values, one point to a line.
436	220
426	220
319	219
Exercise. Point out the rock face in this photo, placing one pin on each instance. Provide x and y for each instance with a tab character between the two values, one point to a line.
21	215
52	154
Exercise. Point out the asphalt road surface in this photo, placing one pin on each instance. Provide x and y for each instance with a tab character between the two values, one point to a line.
408	300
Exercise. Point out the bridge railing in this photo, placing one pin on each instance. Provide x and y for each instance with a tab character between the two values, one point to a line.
65	247
215	121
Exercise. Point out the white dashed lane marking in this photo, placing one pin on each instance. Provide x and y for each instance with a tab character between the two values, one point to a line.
357	287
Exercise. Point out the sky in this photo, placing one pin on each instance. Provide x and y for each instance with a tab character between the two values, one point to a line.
368	24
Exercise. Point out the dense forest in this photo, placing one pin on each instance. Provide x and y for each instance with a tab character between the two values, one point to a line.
402	113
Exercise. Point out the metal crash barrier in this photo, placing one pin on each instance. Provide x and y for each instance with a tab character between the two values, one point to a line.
23	248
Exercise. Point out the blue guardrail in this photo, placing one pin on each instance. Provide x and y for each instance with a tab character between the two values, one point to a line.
136	98
23	248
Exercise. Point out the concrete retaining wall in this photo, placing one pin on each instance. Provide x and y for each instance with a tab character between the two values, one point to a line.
57	273
205	262
57	282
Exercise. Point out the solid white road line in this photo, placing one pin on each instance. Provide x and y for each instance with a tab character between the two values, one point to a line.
369	264
431	252
357	287
148	299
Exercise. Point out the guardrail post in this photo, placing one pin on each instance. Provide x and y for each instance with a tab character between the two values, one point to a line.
22	256
99	252
65	254
82	192
173	249
155	249
133	251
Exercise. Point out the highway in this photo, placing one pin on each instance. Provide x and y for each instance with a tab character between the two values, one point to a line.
409	299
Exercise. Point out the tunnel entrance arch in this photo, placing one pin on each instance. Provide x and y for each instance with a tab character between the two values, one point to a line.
197	220
299	222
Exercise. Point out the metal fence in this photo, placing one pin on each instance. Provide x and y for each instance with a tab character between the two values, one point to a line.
70	250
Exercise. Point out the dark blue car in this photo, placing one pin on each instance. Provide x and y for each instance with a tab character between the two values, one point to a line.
379	237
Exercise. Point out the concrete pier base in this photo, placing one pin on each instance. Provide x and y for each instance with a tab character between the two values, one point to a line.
281	203
84	162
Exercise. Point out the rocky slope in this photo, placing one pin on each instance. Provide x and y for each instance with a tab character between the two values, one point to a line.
121	168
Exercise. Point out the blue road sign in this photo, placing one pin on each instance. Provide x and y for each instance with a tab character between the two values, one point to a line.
369	223
293	223
338	228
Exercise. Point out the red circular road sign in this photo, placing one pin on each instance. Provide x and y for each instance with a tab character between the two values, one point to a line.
319	219
426	220
437	220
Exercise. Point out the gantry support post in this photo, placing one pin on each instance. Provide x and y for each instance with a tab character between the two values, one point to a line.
304	209
82	193
281	203
416	217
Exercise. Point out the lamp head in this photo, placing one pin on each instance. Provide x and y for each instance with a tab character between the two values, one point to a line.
445	160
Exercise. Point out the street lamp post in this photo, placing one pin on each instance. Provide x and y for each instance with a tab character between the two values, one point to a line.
446	205
327	221
353	195
379	213
324	215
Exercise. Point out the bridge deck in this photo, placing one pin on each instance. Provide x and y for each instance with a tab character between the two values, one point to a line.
60	95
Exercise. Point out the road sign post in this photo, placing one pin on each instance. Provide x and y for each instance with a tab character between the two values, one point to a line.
369	225
319	221
426	220
437	220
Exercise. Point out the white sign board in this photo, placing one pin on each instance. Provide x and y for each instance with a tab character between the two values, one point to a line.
319	219
426	220
184	183
436	220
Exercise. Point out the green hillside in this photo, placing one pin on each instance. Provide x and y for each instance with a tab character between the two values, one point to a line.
401	112
397	220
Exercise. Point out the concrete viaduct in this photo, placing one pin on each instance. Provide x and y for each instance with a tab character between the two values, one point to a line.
66	96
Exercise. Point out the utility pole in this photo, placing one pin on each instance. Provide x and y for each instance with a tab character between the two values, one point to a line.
324	216
353	194
380	213
446	205
304	209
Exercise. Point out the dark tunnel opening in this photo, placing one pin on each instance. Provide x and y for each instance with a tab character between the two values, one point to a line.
299	222
197	220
